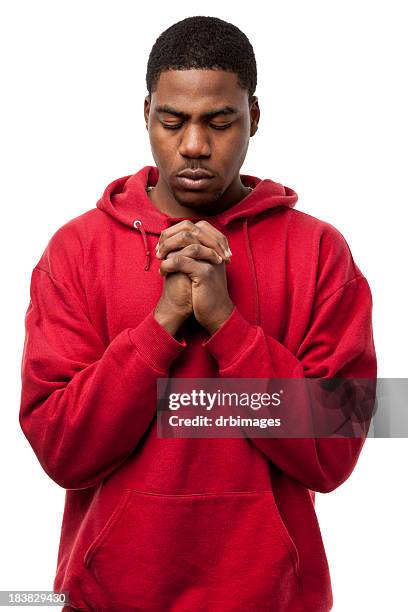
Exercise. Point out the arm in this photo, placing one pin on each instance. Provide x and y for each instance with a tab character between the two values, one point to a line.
338	343
85	406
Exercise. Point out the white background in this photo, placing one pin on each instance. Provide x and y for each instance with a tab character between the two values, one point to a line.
332	93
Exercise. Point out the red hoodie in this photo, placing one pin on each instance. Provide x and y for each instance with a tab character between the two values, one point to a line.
188	525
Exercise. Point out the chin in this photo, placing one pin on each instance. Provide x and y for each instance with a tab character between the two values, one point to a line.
196	198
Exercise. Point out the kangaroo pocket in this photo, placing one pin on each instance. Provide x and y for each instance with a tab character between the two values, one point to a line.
202	552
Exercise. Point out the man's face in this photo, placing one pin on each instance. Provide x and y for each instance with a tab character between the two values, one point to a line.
199	119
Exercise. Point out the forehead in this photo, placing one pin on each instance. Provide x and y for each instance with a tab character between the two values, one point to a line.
196	89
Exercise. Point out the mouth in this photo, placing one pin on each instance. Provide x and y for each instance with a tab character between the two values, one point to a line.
194	179
193	184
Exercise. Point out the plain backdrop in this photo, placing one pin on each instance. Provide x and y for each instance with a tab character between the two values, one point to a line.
333	100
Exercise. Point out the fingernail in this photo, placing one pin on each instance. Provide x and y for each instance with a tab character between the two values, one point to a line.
229	252
219	258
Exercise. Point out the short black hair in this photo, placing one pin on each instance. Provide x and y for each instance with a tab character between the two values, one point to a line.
206	43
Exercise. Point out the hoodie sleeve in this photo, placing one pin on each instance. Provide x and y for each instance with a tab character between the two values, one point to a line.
85	406
338	344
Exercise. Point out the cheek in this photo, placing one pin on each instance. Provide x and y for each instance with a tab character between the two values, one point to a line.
162	145
230	147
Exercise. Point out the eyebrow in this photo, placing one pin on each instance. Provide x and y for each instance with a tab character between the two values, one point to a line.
225	110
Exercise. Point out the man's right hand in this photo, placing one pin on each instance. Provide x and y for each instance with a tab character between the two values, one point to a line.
175	304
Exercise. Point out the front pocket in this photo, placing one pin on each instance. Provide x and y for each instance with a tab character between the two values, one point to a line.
202	551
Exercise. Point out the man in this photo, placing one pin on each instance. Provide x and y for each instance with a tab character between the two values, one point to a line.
190	269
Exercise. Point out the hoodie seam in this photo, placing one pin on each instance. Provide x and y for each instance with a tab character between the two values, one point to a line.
72	295
55	280
85	277
357	277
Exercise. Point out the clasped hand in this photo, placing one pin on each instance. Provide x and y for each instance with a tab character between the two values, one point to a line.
194	258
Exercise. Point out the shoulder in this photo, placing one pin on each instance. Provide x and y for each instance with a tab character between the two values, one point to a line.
324	241
313	226
323	248
70	239
64	256
79	228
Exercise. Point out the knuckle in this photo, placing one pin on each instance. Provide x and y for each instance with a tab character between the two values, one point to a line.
195	249
202	223
187	235
187	226
207	270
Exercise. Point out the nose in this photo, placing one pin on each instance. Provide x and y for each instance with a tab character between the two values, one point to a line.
194	142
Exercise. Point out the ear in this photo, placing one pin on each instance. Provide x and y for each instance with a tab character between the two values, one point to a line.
254	113
147	110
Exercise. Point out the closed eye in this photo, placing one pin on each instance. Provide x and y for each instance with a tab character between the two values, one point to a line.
172	126
221	127
175	126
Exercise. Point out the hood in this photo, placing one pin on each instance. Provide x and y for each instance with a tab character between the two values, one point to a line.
126	200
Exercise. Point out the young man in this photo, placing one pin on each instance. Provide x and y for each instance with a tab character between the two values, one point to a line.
240	284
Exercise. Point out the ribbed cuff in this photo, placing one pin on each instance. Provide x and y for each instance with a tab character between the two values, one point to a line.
231	339
155	344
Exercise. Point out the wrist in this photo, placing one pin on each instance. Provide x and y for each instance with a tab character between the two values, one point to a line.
219	319
170	320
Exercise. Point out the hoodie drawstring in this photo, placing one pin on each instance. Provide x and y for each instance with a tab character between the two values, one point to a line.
139	226
252	268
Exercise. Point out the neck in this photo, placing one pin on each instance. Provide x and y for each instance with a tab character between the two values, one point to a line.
164	200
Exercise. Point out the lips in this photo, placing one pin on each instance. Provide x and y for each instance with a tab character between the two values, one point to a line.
194	179
195	174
